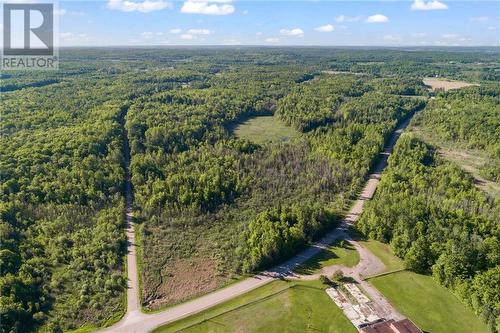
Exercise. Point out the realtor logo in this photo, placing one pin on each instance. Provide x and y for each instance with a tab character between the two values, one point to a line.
28	36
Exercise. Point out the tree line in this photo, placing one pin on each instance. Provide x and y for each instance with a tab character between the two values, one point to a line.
439	223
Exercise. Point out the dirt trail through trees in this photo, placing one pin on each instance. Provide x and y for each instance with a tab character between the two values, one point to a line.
132	276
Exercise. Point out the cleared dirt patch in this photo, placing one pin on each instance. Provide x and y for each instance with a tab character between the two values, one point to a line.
343	72
444	84
185	279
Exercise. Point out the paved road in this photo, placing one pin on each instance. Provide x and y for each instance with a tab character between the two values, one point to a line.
137	322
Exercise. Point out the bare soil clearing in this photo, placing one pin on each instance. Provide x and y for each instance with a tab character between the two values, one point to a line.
444	84
185	279
384	253
343	72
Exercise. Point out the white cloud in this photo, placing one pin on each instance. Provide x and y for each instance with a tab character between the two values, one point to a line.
73	38
20	1
245	12
150	34
479	19
419	34
492	28
296	32
258	33
441	43
272	40
453	38
393	38
325	28
343	18
428	5
145	6
233	41
60	12
377	18
65	34
198	32
175	31
210	7
63	11
193	34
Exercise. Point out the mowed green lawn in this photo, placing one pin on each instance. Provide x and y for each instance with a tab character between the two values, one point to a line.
265	129
431	306
279	306
335	255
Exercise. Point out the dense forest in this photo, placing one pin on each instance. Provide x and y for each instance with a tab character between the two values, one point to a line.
209	205
61	210
435	219
195	182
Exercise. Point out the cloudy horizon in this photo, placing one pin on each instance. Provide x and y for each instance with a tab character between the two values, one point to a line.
278	23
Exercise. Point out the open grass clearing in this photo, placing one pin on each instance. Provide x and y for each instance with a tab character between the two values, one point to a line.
279	306
265	129
444	84
431	306
470	160
339	253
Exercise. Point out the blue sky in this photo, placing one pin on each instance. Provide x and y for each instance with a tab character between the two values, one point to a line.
216	22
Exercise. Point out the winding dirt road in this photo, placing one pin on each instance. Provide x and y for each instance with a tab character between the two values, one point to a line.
137	322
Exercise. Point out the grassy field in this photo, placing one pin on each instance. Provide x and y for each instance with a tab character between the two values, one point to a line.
335	255
470	160
280	306
264	129
384	253
432	307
